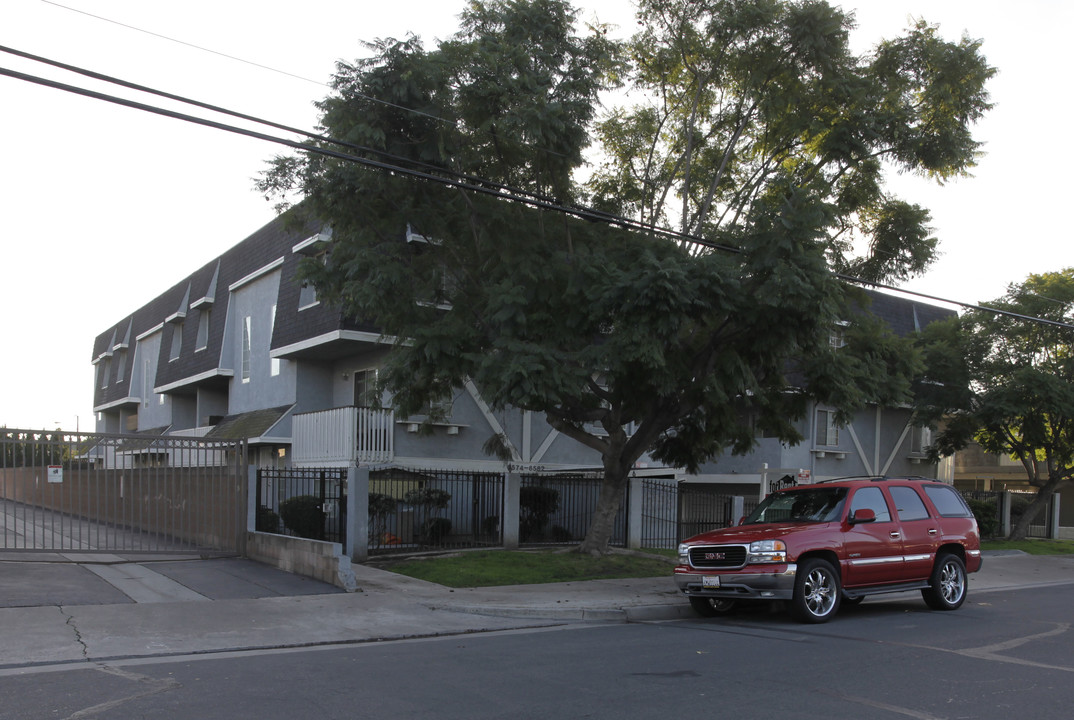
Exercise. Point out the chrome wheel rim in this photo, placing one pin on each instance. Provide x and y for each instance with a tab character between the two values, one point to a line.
819	593
952	583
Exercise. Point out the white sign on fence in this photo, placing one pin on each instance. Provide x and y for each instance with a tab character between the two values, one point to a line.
55	473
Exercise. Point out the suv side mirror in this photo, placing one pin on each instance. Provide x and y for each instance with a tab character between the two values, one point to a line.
863	515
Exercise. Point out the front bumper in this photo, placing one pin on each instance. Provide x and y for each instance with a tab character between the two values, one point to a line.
775	585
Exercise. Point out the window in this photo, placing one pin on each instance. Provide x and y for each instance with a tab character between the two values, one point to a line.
121	365
827	430
274	363
246	349
908	504
873	499
365	388
104	368
145	385
177	341
203	329
948	501
920	440
307	296
837	338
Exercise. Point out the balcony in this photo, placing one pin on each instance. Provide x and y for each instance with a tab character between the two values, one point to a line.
343	436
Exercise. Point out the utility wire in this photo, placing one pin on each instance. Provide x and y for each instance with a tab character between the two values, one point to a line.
267	67
261	121
501	192
183	42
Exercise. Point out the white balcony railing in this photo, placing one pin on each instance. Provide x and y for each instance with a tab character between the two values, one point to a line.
343	436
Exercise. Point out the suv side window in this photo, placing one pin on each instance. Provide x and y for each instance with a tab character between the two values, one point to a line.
948	501
873	499
908	504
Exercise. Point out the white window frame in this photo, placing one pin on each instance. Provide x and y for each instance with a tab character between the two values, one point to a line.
274	363
246	349
203	329
827	429
177	342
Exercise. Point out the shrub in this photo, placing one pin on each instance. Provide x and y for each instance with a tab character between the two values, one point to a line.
267	520
986	514
303	516
431	498
434	530
380	507
490	525
536	505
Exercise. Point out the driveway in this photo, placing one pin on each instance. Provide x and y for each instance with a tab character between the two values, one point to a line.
34	579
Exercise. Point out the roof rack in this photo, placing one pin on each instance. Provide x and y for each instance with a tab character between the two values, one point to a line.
878	478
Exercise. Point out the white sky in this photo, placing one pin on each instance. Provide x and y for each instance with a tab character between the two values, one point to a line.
104	207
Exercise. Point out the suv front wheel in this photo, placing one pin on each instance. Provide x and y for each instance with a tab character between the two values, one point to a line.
947	585
816	591
712	607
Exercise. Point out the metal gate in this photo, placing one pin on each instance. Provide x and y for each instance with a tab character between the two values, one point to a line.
78	492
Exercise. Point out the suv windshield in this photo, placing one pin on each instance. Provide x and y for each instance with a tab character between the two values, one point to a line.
810	504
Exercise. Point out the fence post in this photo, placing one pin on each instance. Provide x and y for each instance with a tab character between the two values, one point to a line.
357	514
512	491
1005	502
738	509
635	492
1053	519
252	496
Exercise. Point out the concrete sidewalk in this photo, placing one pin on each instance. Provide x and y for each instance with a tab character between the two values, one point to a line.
389	606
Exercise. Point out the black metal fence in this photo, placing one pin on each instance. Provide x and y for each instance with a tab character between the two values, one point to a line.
987	506
303	502
674	511
414	510
558	509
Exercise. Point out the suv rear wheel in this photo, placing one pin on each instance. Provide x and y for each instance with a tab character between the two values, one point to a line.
947	585
816	591
712	607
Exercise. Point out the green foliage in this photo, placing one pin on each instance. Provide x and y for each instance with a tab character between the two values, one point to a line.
303	516
762	133
536	505
381	505
500	567
267	520
987	516
753	99
434	530
999	378
430	498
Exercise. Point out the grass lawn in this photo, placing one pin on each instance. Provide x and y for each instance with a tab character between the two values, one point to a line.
487	568
1033	546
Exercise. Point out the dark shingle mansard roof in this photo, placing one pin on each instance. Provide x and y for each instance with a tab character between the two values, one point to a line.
192	295
902	315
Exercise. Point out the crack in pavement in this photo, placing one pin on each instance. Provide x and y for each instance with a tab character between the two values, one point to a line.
70	622
153	687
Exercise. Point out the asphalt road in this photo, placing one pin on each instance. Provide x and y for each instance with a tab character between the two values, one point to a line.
1004	654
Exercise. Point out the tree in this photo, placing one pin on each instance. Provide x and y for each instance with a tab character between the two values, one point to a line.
628	342
1007	382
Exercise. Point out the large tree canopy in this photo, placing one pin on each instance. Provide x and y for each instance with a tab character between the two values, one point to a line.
750	98
1007	382
626	341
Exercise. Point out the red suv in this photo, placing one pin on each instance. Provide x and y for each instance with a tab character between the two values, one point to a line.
836	542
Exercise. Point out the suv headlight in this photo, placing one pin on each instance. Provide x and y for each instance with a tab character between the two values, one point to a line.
767	551
684	554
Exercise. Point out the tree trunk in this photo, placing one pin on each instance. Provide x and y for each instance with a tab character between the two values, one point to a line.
611	494
1036	507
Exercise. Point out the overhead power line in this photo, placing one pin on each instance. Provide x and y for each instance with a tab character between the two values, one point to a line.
430	173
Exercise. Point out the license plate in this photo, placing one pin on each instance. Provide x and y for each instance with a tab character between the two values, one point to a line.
710	581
